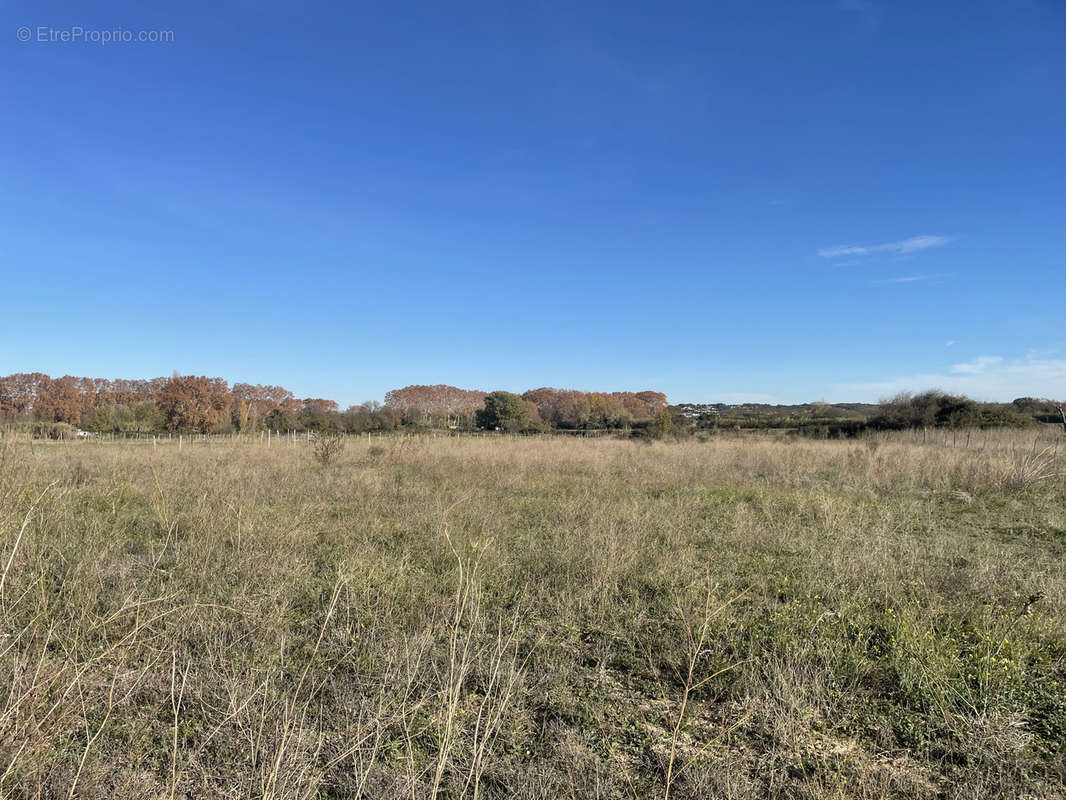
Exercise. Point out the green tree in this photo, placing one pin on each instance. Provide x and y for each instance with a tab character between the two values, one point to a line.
142	417
507	412
664	421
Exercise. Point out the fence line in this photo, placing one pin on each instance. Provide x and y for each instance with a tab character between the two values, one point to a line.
981	440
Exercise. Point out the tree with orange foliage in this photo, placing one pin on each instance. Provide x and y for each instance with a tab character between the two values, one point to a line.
8	409
440	402
568	408
653	401
320	405
194	403
547	401
58	400
319	414
18	392
252	404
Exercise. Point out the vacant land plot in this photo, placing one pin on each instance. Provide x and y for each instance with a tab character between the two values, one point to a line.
535	618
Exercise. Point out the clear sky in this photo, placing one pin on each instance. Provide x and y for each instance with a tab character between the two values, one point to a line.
786	201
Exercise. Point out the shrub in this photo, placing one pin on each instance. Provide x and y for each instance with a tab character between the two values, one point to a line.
54	430
930	409
327	448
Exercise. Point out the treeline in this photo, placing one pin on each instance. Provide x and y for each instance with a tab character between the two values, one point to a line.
941	410
906	411
180	403
546	407
199	404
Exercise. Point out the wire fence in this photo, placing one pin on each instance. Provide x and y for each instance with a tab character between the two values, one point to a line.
270	438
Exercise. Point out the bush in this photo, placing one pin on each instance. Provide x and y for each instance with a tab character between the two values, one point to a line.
932	409
327	448
143	417
54	430
664	422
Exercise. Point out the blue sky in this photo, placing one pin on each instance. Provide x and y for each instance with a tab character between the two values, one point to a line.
721	200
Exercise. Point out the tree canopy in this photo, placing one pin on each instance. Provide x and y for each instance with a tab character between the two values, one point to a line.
507	411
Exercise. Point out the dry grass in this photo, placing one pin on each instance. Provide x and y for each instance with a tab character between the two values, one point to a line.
538	618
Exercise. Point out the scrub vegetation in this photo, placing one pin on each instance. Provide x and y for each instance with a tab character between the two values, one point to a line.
534	617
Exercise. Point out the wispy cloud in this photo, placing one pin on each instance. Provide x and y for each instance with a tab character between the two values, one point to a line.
902	247
979	366
984	378
911	278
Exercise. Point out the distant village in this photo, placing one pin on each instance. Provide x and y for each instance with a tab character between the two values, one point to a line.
696	410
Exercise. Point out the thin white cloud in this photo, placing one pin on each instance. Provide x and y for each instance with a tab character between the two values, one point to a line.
983	378
949	343
978	366
911	278
902	247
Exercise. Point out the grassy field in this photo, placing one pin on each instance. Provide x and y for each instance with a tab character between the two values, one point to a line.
534	618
